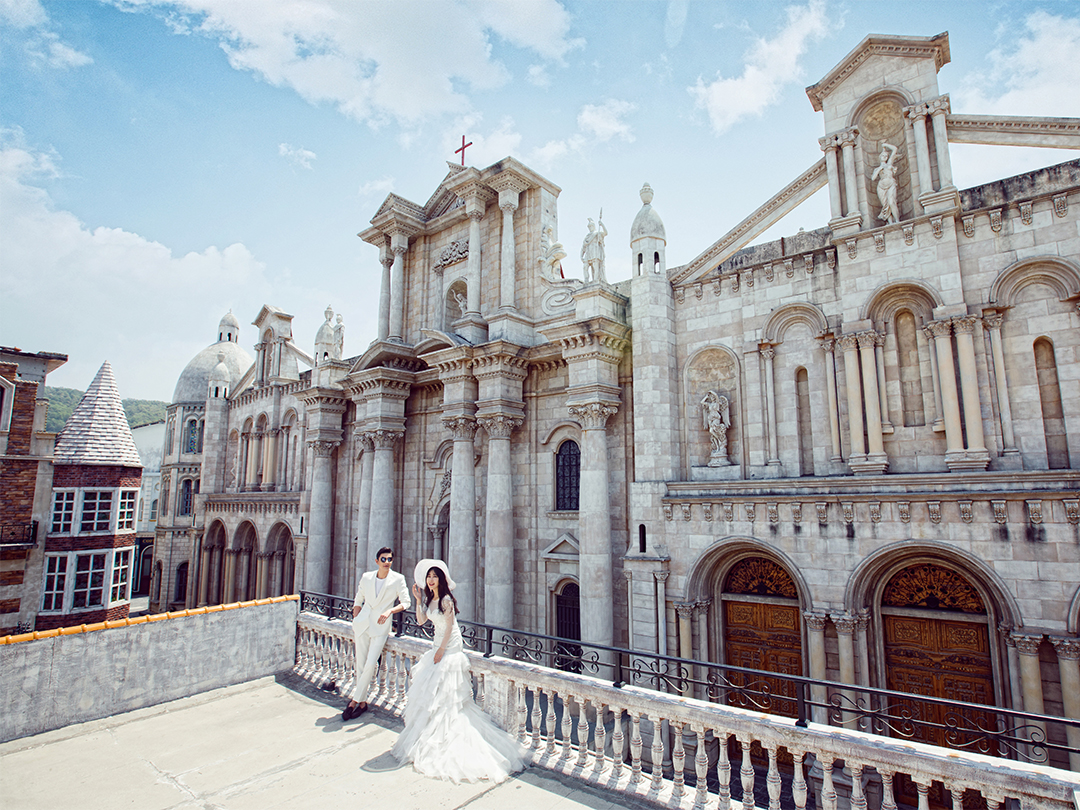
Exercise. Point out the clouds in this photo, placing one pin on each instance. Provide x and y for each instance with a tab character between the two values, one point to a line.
596	123
64	282
378	62
771	64
297	156
43	46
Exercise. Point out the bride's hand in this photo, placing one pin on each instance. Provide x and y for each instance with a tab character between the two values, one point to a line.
438	656
416	590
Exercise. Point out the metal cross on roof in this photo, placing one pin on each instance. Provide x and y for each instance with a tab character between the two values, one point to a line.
464	146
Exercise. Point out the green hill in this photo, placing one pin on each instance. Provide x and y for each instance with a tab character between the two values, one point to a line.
62	401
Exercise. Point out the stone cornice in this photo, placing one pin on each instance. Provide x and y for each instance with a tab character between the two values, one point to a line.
936	48
328	400
596	337
1011	130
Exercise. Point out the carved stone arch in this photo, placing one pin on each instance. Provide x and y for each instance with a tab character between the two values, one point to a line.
1072	616
896	92
1060	275
245	536
249	425
561	432
262	422
912	294
443	454
864	586
711	368
281	564
879	117
712	566
785	316
290	417
216	535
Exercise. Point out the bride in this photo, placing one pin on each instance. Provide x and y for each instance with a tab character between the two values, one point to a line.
446	735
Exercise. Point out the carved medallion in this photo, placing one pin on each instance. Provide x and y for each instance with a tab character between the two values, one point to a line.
934	587
756	575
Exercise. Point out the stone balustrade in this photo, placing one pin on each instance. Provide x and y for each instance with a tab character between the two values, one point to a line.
701	746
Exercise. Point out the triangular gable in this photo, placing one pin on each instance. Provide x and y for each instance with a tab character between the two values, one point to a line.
565	547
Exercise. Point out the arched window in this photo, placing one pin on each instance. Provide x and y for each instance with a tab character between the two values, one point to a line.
184	507
907	354
153	509
191	436
567	476
1053	416
180	592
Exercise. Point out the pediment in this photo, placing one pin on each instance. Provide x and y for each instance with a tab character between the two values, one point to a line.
565	547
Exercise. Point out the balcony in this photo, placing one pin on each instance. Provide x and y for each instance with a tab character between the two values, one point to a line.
238	744
18	535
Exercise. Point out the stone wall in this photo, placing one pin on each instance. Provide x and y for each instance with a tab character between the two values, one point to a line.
73	676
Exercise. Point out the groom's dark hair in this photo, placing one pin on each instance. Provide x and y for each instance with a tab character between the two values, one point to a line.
383	550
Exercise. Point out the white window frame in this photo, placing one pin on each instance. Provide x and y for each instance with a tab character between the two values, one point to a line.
55	574
93	569
96	495
65	498
113	577
127	511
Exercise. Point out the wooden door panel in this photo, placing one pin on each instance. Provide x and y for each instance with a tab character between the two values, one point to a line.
767	637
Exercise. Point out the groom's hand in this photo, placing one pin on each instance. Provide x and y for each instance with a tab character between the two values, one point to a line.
384	616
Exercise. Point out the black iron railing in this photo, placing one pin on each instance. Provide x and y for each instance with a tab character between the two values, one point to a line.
18	534
977	728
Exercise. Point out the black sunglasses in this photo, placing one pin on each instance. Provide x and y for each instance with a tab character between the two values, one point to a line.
386	559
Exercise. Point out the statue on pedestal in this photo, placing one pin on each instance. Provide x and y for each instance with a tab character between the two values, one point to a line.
592	251
885	175
715	411
551	254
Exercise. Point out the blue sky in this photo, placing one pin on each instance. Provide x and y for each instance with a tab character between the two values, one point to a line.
164	162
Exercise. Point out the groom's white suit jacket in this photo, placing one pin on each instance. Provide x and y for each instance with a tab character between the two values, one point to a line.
373	604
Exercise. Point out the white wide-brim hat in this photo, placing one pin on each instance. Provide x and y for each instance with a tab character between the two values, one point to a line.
422	567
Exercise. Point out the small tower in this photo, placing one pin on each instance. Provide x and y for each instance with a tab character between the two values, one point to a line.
648	241
220	378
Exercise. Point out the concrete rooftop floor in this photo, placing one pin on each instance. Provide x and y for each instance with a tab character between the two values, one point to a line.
273	742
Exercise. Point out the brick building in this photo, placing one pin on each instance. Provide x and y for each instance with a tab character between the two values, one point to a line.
25	480
90	544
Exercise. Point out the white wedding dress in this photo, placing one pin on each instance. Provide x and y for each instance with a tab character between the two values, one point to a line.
446	735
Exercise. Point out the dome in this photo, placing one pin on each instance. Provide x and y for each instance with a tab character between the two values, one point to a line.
229	320
647	222
195	379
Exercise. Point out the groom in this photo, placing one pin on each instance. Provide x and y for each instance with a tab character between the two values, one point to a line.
372	609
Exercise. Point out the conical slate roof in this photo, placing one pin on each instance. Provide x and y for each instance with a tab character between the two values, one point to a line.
97	431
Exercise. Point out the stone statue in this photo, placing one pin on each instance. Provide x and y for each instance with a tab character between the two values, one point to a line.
339	339
885	175
462	301
592	251
551	254
324	339
715	411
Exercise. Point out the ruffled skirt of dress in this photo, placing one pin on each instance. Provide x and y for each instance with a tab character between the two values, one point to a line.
446	735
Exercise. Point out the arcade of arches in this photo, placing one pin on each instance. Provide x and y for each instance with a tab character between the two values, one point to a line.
240	568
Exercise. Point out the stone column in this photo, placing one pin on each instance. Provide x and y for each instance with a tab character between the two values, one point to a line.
939	108
845	632
969	382
832	168
846	141
1031	675
827	345
935	379
628	575
883	394
867	355
815	635
386	259
300	560
399	243
273	587
382	523
364	553
472	294
850	346
916	113
661	611
768	353
195	573
228	580
243	570
1068	655
214	589
499	524
862	646
262	577
508	203
685	613
594	520
462	556
954	440
320	520
1013	660
204	576
701	613
993	322
270	459
251	467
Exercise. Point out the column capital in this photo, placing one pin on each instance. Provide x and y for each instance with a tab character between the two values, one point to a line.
848	343
847	137
365	442
827	343
685	610
499	425
322	449
1067	648
828	143
965	324
385	439
844	622
940	328
661	576
867	340
462	428
702	605
1028	644
592	415
815	620
916	111
767	351
993	320
939	105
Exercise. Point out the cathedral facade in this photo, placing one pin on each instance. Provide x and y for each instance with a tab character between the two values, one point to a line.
851	454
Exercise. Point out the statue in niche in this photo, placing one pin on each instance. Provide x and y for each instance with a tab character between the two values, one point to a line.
885	176
339	339
592	251
716	413
462	301
551	254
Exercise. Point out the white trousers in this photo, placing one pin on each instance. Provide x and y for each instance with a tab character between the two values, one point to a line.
369	646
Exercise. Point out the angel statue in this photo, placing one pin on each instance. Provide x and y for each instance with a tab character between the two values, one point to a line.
715	411
551	254
592	251
885	175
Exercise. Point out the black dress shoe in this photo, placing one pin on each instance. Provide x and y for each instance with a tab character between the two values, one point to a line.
349	713
359	709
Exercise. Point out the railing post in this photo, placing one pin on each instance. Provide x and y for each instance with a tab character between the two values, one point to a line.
490	635
618	683
800	693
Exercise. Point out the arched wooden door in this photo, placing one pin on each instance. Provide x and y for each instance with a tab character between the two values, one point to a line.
762	630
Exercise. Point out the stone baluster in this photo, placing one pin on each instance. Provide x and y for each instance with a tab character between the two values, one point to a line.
772	780
701	770
1068	655
723	771
827	346
535	745
549	722
617	742
888	798
799	792
678	760
828	790
657	750
746	774
858	800
599	739
993	322
635	747
566	724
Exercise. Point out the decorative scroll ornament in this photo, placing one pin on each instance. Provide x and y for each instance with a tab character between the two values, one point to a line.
773	512
769	272
667	511
935	511
796	512
751	513
761	577
966	513
1035	514
969	226
686	513
934	587
822	512
852	248
1072	512
592	415
937	226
